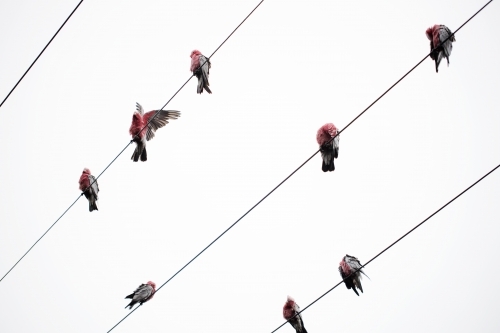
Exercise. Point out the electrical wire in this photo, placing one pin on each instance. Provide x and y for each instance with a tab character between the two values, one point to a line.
130	142
394	243
50	41
297	169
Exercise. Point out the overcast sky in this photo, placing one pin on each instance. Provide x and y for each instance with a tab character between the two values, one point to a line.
292	67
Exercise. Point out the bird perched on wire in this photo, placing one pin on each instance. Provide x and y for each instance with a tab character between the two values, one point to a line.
348	265
437	35
89	187
290	310
144	126
200	66
329	148
142	294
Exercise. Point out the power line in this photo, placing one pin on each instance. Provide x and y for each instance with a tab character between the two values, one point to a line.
394	243
297	169
50	41
128	144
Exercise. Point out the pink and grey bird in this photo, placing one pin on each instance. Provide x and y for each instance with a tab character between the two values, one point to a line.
437	35
348	265
329	148
200	66
290	313
142	294
144	126
89	187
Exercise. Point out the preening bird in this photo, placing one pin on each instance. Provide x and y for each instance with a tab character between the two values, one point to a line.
329	148
290	309
437	35
347	265
197	60
142	294
144	126
89	183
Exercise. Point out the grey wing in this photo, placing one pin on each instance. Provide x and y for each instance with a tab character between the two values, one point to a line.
298	318
448	31
353	262
143	292
205	64
94	185
444	32
336	141
138	108
161	119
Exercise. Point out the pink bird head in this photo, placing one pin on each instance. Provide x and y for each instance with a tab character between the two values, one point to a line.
326	133
195	53
84	179
432	34
153	285
289	308
195	60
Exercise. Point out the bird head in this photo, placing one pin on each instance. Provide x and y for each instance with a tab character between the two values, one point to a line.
429	33
87	171
290	302
195	52
152	284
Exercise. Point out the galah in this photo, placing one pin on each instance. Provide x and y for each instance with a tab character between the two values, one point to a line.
290	310
329	148
89	187
142	294
348	265
197	60
144	126
437	35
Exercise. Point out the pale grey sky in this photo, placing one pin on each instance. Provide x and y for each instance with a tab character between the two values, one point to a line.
293	66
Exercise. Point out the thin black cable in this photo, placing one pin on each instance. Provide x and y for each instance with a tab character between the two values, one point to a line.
275	188
50	41
32	246
128	144
394	243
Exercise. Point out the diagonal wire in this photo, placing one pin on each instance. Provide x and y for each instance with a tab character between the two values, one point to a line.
394	243
297	169
128	144
33	63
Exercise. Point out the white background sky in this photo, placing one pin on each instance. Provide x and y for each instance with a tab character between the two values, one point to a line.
293	66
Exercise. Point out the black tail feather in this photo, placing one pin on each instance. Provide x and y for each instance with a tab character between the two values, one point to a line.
92	205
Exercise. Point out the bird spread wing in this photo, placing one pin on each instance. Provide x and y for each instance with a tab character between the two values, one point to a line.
139	109
161	119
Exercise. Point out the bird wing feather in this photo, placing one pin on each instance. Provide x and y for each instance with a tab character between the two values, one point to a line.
139	109
94	185
143	292
161	119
